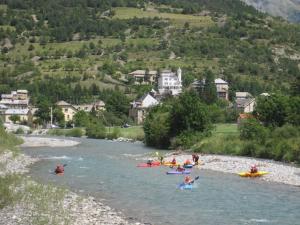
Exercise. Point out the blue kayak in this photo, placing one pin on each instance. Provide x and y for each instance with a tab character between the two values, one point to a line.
188	166
178	172
184	186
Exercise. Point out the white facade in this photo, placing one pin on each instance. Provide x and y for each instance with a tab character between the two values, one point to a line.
170	82
140	107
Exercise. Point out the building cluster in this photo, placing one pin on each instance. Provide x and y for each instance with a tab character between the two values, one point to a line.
169	82
70	110
16	105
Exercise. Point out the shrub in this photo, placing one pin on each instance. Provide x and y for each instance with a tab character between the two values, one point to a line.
95	129
75	132
251	129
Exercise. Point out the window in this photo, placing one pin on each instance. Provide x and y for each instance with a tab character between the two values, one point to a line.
66	110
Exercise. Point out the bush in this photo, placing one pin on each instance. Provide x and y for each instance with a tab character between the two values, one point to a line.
95	129
251	129
114	134
19	131
75	132
187	139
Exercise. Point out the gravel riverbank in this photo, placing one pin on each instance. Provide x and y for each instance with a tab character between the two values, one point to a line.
49	142
278	172
45	204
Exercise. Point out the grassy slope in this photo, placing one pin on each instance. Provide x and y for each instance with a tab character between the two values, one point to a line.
176	19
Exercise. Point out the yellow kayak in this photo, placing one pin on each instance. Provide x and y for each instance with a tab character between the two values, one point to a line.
248	174
170	164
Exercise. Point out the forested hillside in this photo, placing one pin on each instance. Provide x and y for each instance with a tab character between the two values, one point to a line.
73	50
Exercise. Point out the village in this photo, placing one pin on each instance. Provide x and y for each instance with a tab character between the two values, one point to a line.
15	107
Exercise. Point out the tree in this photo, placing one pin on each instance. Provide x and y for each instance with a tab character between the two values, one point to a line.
189	114
251	129
209	91
14	118
43	112
81	119
157	127
58	116
272	110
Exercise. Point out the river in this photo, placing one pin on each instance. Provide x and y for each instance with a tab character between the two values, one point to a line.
107	170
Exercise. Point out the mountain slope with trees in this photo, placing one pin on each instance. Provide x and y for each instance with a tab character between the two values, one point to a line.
82	50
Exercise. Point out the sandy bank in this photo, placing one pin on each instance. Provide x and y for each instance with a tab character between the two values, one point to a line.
47	142
281	173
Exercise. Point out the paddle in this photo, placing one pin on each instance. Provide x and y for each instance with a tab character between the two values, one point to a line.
196	178
182	184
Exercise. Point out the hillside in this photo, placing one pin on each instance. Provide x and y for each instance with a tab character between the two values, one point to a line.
287	9
72	50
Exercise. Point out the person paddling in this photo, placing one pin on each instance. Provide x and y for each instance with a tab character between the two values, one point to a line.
149	162
187	179
253	169
195	159
59	169
187	162
180	169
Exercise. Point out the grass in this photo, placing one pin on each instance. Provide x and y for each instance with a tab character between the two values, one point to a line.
8	141
175	19
226	128
74	132
134	132
41	204
224	140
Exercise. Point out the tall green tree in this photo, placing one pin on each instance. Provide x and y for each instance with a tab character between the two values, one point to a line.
272	110
189	113
209	91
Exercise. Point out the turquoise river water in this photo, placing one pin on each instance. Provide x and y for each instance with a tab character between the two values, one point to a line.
107	170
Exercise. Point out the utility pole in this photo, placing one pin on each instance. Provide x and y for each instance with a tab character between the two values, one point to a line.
51	117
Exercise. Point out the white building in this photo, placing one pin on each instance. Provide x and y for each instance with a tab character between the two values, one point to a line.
139	107
170	82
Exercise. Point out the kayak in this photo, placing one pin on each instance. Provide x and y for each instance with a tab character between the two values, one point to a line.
188	166
248	174
184	186
154	164
178	172
170	164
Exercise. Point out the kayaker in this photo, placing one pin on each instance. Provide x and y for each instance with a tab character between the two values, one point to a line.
149	162
187	179
161	159
187	162
174	161
253	169
195	159
180	169
59	169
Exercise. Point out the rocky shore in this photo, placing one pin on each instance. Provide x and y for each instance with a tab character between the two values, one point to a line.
278	172
47	142
45	204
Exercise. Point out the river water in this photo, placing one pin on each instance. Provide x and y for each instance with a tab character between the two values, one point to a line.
107	170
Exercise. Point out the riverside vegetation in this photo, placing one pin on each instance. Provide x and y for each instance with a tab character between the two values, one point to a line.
80	51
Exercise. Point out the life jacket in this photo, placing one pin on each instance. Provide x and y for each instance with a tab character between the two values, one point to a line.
59	169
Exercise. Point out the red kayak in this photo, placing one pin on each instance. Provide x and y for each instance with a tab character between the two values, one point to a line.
153	164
